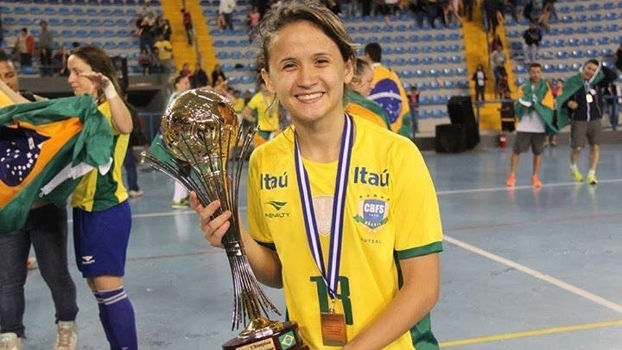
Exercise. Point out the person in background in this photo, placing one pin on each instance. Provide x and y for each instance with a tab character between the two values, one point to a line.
46	231
356	96
413	101
225	9
218	76
101	212
137	138
384	274
185	70
25	45
580	105
164	51
180	84
188	26
388	91
479	77
199	76
556	88
534	110
60	62
263	111
46	42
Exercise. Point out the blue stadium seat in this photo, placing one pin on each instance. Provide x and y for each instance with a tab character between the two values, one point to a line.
412	49
568	31
423	114
588	41
438	114
427	60
406	74
35	11
420	73
442	60
448	84
77	11
434	72
562	67
576	54
582	17
447	72
607	52
463	84
596	17
413	61
575	66
426	48
399	50
561	55
613	27
548	68
20	10
440	37
520	68
574	42
582	30
609	6
400	61
559	43
461	71
440	48
604	40
456	59
597	28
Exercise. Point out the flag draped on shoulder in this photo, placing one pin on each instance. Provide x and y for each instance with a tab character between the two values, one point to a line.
359	106
44	148
570	88
389	93
540	99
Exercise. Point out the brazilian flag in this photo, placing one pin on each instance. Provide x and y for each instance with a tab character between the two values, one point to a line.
45	147
389	93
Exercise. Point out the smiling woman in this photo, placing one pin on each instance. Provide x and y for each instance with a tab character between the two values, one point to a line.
361	196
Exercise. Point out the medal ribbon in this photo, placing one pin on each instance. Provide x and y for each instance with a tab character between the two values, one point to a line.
331	275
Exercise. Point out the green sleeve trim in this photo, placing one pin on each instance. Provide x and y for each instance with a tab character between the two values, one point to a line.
270	246
434	247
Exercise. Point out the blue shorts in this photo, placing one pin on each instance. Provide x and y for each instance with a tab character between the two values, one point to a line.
101	239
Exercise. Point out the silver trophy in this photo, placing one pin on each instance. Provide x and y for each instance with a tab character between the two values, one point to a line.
204	148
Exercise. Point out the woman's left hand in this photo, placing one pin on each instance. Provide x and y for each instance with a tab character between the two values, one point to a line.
98	82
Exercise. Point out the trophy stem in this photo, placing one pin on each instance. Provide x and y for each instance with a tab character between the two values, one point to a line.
249	300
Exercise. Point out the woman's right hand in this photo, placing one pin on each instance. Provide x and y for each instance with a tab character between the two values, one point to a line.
213	228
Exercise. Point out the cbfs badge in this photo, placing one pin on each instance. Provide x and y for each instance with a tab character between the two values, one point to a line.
372	213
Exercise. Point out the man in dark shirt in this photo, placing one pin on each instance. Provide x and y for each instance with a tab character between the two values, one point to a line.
581	102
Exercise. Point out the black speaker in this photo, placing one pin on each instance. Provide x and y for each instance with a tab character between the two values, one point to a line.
460	110
451	138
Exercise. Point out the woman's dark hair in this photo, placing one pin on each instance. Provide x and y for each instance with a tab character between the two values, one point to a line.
99	62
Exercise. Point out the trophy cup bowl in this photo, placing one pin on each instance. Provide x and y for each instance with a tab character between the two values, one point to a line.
200	133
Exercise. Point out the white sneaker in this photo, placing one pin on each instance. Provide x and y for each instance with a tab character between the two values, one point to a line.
135	194
10	341
66	336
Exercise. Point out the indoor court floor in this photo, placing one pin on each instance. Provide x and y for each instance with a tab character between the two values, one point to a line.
522	268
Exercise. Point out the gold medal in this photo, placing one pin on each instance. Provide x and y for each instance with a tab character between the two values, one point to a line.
333	328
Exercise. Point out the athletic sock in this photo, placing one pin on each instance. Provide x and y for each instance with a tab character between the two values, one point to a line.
118	318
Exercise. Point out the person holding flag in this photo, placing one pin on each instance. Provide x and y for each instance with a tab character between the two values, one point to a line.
580	105
101	212
535	120
46	230
389	92
356	96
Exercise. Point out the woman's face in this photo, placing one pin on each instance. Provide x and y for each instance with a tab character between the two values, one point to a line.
79	85
307	72
365	79
183	85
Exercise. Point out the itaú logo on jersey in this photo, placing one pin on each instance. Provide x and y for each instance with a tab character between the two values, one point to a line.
366	177
275	210
372	212
270	182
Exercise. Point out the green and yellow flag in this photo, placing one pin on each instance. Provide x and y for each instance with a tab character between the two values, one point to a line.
45	147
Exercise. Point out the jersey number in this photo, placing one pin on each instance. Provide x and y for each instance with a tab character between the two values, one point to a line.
344	296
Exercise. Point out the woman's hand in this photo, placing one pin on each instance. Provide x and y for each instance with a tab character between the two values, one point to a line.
213	228
98	82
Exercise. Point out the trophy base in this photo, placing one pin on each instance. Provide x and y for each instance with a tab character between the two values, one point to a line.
275	336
